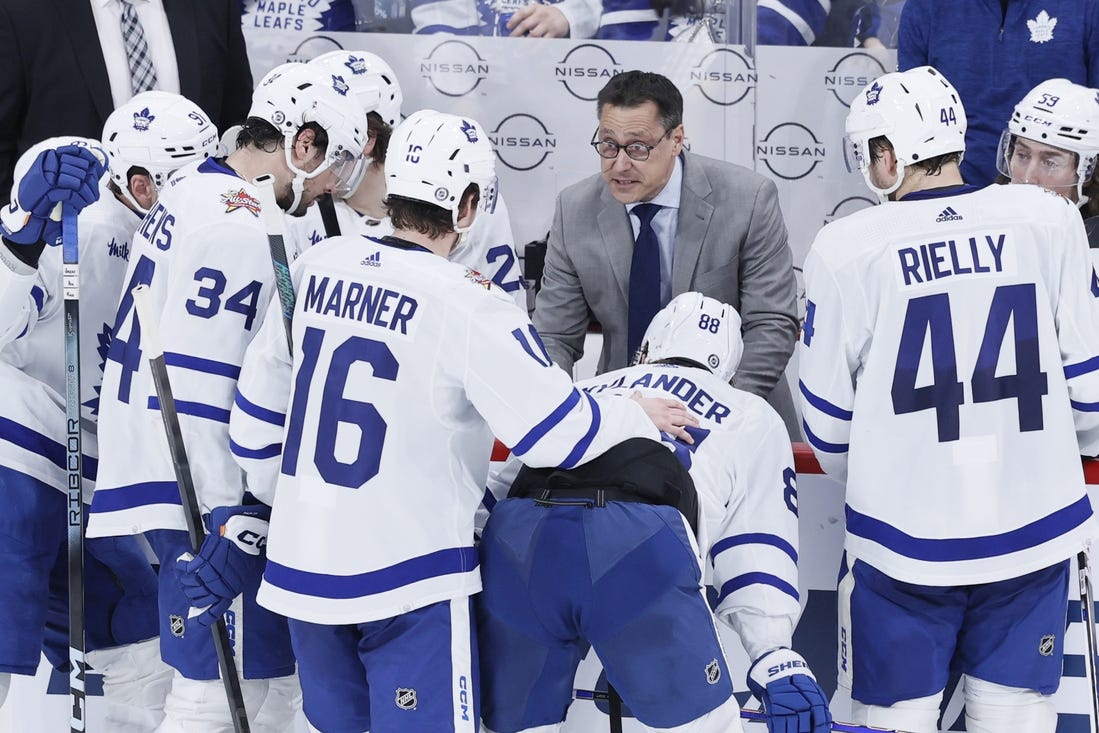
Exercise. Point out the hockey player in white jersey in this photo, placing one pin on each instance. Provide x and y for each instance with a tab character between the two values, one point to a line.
949	366
144	140
488	247
1052	140
742	537
404	367
203	252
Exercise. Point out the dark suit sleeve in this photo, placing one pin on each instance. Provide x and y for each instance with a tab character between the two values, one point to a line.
238	80
12	101
768	294
561	313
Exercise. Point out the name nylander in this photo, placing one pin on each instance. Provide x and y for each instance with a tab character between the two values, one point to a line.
372	304
696	398
937	260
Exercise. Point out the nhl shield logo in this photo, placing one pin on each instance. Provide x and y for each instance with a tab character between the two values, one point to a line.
406	698
1045	646
713	672
176	625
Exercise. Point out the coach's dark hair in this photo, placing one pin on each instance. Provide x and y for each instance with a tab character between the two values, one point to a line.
262	135
931	166
634	88
420	216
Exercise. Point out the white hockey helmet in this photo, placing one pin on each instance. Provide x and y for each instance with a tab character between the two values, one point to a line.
699	328
290	96
371	79
14	217
433	157
160	132
1063	115
918	111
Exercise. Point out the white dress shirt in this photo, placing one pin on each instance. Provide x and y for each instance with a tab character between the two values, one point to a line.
154	22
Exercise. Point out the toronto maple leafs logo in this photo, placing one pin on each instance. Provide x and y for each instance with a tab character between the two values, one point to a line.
356	64
1041	28
340	85
143	119
873	94
103	345
469	130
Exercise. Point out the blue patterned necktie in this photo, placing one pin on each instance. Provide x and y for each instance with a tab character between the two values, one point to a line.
644	296
142	73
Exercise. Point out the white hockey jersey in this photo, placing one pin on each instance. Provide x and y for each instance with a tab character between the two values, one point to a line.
405	367
743	471
488	247
32	353
949	367
203	252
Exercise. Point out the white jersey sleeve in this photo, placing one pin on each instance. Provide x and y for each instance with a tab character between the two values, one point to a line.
949	361
18	304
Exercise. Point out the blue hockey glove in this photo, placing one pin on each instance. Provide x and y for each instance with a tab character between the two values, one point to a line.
68	174
791	697
231	557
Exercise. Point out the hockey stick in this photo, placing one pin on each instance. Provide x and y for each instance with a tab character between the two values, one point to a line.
276	240
150	341
754	716
74	464
327	206
1087	609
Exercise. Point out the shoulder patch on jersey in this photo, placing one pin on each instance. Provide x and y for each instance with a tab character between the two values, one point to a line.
240	199
478	279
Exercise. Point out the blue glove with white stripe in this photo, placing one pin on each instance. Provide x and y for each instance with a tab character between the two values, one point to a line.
68	174
791	697
231	557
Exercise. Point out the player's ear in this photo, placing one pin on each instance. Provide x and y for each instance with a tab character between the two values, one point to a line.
305	146
143	190
467	210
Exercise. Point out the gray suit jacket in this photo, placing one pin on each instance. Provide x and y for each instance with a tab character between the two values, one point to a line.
730	245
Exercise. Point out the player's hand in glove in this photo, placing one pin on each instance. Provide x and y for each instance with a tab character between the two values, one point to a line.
231	557
791	697
67	175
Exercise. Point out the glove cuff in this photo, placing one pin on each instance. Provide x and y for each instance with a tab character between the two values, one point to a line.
774	665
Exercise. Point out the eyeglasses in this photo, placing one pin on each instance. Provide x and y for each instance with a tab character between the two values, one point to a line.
636	151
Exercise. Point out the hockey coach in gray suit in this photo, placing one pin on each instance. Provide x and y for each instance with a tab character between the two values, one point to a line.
659	221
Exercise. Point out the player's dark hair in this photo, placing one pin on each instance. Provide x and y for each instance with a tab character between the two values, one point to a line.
262	135
634	88
381	132
931	166
420	216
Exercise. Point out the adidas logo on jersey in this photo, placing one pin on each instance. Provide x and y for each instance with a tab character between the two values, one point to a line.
374	260
949	215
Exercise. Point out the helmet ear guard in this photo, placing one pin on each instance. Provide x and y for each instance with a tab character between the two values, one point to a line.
159	132
1060	114
696	328
918	111
434	157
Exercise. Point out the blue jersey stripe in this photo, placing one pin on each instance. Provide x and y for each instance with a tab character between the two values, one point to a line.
260	413
198	364
322	585
268	451
39	298
1084	406
1084	367
824	405
488	501
194	409
135	495
743	581
35	442
1038	532
821	444
756	538
581	447
549	423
